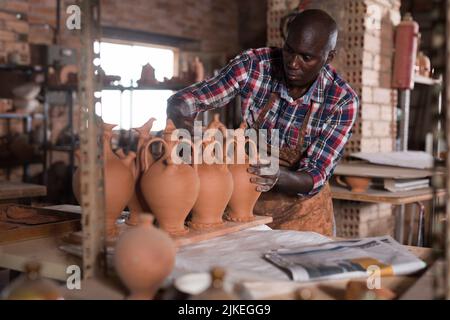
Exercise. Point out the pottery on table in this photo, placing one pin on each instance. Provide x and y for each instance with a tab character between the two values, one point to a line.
144	258
137	202
32	286
118	182
170	189
216	290
216	184
356	184
244	196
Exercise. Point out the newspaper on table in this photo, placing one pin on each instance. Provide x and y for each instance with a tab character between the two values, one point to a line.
346	259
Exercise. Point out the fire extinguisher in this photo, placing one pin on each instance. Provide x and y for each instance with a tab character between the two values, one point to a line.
406	43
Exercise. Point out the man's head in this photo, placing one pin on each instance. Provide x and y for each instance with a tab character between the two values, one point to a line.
310	44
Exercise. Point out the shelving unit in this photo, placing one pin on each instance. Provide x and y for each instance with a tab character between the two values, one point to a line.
27	120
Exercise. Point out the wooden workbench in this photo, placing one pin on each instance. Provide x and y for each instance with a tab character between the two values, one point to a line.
55	262
17	190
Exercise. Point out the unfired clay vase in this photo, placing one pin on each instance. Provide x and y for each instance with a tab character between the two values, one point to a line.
169	189
137	203
244	196
356	184
118	178
144	257
216	185
31	286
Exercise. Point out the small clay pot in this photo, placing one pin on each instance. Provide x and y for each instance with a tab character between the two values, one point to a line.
356	184
144	258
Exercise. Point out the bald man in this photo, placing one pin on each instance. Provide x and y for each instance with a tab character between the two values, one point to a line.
295	90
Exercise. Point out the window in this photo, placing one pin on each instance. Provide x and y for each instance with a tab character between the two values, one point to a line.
132	108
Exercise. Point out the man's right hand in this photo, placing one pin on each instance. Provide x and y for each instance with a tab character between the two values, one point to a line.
178	112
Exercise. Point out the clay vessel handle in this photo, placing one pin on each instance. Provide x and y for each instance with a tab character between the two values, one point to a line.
341	182
146	152
194	150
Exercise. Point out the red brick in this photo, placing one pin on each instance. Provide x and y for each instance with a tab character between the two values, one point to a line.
17	26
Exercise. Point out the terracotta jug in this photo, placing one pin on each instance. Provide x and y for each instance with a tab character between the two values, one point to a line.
170	189
244	196
144	257
118	181
216	183
137	202
32	286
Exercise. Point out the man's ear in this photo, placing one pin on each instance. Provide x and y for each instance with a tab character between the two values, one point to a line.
331	56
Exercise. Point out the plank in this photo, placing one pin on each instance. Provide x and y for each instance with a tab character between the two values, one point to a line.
380	171
15	190
195	236
376	196
43	223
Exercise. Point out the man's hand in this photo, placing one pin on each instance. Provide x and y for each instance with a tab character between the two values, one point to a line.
265	179
178	112
289	182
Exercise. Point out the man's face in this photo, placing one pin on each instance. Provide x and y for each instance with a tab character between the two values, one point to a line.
304	55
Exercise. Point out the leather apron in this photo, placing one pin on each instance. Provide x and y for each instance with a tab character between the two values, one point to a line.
294	212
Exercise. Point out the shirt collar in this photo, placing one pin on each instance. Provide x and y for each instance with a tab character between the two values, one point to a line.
315	93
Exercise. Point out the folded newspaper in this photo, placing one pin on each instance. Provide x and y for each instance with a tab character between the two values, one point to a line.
346	259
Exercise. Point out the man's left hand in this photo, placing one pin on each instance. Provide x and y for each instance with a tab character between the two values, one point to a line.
265	179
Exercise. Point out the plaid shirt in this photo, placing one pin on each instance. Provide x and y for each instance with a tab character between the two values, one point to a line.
254	75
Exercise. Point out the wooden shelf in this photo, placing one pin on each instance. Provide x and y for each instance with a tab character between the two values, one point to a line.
23	68
16	190
159	86
377	196
427	81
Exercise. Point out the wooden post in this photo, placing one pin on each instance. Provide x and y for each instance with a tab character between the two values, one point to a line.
91	162
447	136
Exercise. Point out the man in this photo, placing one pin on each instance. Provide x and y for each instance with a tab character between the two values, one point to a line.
294	90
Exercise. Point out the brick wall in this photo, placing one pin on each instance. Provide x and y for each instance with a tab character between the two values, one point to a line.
14	32
364	59
215	23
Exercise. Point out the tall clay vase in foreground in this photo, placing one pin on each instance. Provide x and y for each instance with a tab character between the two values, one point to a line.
144	258
216	183
170	189
118	179
244	195
137	202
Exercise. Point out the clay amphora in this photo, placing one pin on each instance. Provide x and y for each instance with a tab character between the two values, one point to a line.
137	203
170	189
216	184
144	257
244	196
118	181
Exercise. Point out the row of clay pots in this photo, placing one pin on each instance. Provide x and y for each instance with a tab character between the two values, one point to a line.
171	190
